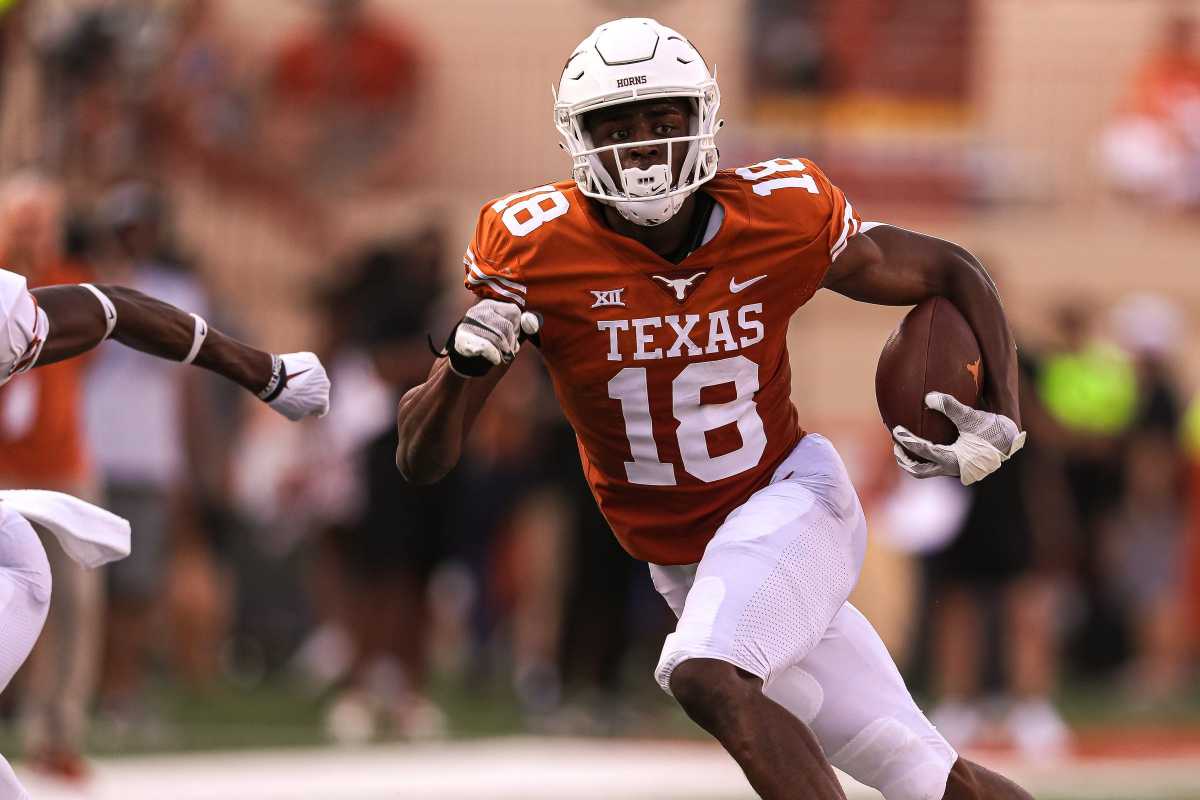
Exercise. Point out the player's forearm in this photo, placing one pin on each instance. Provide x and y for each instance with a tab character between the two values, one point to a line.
434	418
160	329
974	294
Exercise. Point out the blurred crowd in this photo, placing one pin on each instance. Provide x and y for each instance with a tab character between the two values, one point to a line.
300	555
1081	558
1151	150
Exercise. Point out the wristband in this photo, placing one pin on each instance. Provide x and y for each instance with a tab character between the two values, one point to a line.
199	334
110	311
277	382
465	366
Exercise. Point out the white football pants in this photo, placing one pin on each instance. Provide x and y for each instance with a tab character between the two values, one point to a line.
770	596
24	600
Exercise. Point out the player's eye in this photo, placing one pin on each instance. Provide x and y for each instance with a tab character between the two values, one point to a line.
619	135
664	130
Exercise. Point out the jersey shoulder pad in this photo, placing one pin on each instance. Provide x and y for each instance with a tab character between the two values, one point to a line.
514	231
793	193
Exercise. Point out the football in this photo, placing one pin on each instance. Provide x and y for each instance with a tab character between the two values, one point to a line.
933	349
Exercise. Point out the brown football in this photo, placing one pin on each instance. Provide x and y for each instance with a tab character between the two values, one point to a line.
933	349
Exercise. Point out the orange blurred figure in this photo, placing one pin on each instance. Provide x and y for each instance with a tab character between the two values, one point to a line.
42	444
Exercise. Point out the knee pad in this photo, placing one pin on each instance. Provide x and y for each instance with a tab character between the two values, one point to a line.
889	757
798	692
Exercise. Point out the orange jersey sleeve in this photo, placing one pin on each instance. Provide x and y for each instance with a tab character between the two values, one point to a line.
792	200
507	237
843	222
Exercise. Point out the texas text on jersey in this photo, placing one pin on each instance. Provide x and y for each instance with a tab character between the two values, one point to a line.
675	377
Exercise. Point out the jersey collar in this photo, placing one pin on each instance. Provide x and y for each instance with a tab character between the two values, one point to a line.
641	259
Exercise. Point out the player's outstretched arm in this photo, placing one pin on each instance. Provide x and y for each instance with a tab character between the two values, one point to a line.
433	419
893	266
82	316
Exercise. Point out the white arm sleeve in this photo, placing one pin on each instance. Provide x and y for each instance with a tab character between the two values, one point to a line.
23	326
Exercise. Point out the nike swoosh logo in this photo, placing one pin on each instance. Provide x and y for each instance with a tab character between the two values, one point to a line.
736	287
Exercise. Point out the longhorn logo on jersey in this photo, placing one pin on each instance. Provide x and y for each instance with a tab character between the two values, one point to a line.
680	286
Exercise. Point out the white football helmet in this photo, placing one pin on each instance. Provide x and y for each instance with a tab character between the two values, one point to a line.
625	61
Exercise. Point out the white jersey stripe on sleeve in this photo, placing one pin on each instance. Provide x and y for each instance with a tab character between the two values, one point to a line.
471	264
849	229
477	278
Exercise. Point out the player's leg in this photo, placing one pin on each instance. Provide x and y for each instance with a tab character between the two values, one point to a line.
970	781
778	753
770	582
852	696
24	600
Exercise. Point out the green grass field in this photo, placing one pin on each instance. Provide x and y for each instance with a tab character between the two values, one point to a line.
281	715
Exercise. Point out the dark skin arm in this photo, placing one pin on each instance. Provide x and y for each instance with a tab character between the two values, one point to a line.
77	324
433	420
894	267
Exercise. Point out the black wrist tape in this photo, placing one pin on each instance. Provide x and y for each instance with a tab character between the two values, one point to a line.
467	366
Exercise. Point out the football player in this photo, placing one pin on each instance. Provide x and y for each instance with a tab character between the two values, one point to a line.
42	326
659	288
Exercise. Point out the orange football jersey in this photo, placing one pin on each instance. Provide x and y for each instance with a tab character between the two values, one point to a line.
675	377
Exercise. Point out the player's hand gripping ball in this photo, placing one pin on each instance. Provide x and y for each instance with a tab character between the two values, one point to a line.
985	441
927	384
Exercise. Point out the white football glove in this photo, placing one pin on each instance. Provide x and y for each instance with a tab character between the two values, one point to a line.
985	441
305	389
489	335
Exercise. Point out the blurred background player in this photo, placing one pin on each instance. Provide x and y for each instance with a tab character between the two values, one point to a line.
52	324
999	572
1153	145
149	447
345	89
42	445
